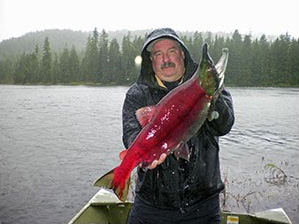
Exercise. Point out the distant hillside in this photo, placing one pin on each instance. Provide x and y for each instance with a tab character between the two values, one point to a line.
59	39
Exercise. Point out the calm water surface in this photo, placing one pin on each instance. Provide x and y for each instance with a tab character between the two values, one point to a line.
55	141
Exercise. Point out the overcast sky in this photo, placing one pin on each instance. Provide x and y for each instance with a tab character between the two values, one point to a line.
270	17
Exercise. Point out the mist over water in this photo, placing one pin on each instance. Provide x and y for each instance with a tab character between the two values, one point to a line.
55	141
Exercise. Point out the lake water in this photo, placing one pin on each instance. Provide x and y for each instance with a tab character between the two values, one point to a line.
55	141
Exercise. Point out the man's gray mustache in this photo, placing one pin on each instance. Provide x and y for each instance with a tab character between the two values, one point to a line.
167	64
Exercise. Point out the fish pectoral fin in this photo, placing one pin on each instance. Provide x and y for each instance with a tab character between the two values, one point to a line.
182	151
122	154
145	114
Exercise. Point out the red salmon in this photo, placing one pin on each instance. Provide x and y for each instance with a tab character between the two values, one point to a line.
168	125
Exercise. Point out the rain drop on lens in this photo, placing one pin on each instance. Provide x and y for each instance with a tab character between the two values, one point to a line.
138	60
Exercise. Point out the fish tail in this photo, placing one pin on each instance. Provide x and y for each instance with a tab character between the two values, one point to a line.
117	183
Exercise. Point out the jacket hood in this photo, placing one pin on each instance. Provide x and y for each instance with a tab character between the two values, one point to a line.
147	75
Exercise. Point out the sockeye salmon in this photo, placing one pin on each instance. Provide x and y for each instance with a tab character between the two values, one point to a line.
168	125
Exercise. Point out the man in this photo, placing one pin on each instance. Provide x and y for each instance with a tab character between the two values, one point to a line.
175	190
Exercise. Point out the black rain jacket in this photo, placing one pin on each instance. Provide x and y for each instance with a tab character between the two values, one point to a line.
177	183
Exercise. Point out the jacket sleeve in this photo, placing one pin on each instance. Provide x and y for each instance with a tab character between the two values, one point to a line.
224	106
134	100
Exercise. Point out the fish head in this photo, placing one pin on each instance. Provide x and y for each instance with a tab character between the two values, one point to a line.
211	76
207	72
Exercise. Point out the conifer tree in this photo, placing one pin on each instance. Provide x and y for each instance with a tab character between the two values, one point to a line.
7	71
114	64
56	70
35	66
46	66
128	57
90	63
74	65
103	75
64	66
20	74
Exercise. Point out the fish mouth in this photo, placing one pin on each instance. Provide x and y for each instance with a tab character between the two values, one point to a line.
212	76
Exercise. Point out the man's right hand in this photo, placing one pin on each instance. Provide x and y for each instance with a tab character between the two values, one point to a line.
153	165
156	162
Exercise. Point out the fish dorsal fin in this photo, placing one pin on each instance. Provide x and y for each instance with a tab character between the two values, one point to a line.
145	114
182	151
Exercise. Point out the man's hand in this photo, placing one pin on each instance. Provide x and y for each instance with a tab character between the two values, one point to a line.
155	163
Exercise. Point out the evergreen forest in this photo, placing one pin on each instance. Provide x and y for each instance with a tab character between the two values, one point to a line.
106	61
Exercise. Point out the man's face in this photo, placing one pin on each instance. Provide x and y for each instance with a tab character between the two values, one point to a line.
168	60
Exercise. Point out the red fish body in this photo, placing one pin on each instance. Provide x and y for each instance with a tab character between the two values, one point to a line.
170	124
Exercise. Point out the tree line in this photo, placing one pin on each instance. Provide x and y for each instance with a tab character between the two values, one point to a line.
252	62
